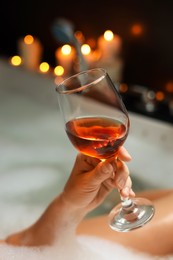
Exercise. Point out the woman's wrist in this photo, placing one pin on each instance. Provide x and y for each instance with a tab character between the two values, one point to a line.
71	214
61	215
57	223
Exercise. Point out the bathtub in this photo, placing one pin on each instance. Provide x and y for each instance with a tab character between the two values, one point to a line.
36	156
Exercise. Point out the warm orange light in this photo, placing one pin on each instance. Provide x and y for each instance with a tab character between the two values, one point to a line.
108	35
16	60
59	70
28	39
137	29
97	54
123	87
169	87
85	49
44	67
160	95
66	49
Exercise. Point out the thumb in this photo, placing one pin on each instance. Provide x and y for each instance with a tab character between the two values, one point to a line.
102	172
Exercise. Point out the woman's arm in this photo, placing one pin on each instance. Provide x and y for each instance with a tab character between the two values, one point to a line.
88	185
57	221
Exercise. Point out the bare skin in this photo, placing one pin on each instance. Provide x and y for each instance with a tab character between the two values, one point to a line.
88	185
154	238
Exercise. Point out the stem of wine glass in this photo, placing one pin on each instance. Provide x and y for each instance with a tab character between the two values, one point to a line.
126	202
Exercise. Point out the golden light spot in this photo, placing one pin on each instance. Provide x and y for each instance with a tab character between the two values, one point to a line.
44	67
137	29
58	70
85	49
160	95
66	49
16	60
28	39
108	35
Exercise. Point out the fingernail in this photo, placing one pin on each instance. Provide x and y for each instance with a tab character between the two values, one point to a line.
126	191
127	154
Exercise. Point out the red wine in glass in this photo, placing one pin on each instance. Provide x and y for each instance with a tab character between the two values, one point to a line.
97	124
98	137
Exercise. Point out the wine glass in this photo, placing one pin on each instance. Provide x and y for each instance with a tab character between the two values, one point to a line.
97	124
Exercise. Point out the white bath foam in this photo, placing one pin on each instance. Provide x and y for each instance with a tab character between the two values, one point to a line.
64	250
109	250
25	192
86	248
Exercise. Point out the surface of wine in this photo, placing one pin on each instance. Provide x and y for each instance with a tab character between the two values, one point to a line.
98	137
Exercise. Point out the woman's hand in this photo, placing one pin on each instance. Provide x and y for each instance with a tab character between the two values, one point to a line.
88	185
91	181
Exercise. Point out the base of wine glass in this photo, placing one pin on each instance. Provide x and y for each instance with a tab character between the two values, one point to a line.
133	216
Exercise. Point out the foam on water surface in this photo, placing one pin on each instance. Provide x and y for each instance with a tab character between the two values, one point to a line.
86	248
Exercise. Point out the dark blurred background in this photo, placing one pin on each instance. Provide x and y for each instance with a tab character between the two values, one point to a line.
148	56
